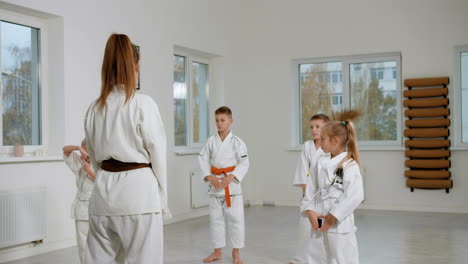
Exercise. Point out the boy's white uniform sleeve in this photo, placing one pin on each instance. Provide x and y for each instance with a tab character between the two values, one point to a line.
154	138
308	202
353	193
302	167
73	161
242	160
204	160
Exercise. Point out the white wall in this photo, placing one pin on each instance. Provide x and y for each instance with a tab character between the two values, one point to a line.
425	32
256	41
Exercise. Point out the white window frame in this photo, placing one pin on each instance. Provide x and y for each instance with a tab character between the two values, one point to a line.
457	125
346	62
190	57
29	21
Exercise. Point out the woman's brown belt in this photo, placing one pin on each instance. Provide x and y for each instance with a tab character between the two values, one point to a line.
113	165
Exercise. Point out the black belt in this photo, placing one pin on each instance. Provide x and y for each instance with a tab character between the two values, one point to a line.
113	165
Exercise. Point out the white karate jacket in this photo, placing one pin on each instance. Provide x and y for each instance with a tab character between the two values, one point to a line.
329	193
223	154
131	132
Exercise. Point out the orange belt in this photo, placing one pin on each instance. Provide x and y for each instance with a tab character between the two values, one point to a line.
217	171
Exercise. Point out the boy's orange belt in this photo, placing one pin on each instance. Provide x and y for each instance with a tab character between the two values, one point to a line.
217	171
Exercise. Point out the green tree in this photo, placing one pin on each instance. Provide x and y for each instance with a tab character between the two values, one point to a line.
17	98
379	112
315	97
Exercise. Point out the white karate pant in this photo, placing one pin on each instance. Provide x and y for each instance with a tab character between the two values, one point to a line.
232	217
304	239
139	236
82	227
335	248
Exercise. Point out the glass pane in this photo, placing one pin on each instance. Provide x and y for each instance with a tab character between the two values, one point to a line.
201	126
464	87
374	92
20	76
180	101
321	91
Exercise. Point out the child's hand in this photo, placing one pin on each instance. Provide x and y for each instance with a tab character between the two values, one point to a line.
330	221
313	219
87	167
213	181
84	155
226	181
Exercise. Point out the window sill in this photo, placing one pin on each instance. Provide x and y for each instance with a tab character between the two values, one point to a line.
460	148
27	159
364	148
187	151
295	149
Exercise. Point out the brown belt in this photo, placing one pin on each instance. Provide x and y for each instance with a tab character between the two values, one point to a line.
113	165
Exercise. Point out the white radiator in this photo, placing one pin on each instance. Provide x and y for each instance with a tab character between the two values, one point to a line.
22	216
198	190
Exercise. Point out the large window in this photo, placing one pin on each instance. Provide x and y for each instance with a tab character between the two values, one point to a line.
461	86
20	100
191	100
371	84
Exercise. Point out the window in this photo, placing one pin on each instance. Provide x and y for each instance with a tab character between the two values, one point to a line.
317	94
362	82
461	88
20	102
377	101
191	100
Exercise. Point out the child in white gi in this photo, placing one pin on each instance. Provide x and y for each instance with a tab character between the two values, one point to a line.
76	157
310	152
333	194
224	163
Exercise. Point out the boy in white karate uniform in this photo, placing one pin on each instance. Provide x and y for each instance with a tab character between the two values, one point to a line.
309	155
224	163
334	192
76	157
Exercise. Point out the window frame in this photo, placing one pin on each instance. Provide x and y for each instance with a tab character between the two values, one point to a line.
191	57
457	125
34	22
346	61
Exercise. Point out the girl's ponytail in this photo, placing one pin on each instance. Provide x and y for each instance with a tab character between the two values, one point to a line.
343	127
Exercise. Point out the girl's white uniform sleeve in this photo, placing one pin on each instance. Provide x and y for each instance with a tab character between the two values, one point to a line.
353	193
242	160
90	138
204	160
154	138
302	167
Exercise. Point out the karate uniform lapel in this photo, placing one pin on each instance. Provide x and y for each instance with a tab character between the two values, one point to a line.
221	145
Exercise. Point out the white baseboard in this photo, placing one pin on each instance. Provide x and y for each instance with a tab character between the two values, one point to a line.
187	216
369	206
28	250
390	207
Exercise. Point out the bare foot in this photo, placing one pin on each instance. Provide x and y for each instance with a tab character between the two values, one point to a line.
216	255
236	257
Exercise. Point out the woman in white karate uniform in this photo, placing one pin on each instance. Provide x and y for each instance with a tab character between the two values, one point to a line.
127	146
310	152
334	192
